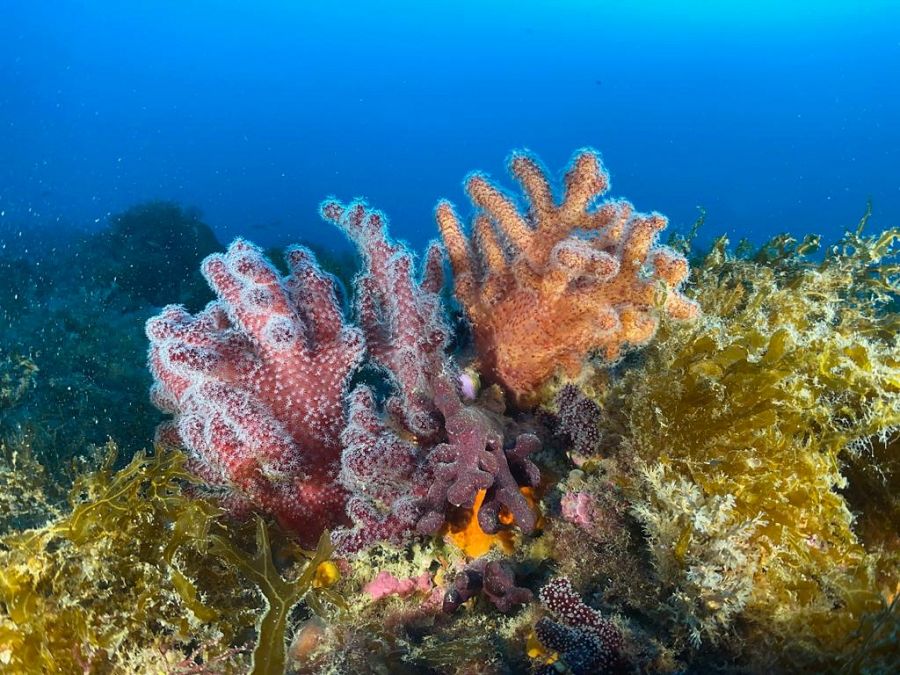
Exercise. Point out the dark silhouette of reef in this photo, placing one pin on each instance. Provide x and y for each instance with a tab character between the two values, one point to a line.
150	254
72	350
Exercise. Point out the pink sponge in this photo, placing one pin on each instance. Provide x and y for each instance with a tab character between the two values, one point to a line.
385	584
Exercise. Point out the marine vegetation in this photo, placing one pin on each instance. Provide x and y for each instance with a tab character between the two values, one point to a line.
634	464
766	440
138	575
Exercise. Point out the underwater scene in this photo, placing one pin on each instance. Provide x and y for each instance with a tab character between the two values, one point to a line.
469	338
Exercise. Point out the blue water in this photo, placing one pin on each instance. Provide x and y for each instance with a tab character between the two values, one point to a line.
770	118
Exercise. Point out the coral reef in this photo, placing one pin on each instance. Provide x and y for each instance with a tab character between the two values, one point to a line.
257	382
545	288
724	500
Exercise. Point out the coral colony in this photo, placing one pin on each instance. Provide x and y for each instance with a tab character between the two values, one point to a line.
545	288
498	490
259	382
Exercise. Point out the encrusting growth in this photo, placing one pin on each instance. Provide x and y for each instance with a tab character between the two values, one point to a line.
545	288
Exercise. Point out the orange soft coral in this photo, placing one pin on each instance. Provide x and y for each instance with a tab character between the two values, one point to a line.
546	287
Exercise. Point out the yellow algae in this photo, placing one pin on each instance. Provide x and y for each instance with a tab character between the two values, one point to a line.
766	437
139	572
119	579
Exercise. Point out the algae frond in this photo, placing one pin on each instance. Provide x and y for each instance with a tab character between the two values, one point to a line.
280	594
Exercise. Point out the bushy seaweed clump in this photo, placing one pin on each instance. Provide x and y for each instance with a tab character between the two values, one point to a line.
766	441
137	576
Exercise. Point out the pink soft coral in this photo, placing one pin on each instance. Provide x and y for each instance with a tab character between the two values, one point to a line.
401	478
256	383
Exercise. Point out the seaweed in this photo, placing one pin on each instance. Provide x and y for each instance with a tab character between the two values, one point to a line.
776	415
122	580
280	594
17	377
876	641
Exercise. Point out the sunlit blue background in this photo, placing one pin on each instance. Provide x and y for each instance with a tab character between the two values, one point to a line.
771	115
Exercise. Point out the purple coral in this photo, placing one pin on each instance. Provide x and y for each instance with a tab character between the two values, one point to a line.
399	487
586	642
403	321
382	474
495	580
577	417
256	384
474	459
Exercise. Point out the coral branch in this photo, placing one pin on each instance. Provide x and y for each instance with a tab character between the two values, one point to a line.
384	477
399	487
402	321
256	384
546	287
473	459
